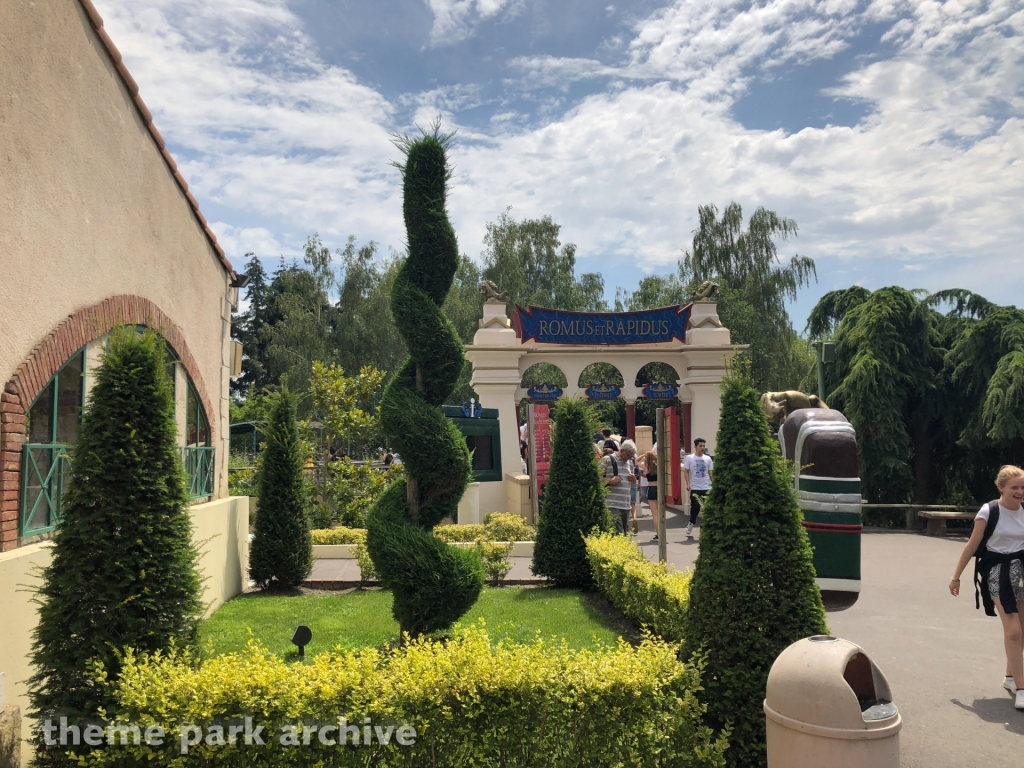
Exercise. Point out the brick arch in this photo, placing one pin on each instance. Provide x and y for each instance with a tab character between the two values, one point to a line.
70	335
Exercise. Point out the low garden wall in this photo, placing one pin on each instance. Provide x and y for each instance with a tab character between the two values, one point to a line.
220	530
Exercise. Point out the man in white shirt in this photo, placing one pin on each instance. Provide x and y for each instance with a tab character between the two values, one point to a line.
697	469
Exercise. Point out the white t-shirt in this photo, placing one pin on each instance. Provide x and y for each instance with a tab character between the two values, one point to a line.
1008	537
700	468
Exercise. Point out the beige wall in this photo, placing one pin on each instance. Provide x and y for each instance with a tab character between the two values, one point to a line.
220	531
88	207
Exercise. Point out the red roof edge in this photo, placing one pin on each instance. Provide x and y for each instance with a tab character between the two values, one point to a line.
147	118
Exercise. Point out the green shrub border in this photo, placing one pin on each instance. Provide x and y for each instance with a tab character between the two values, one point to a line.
652	594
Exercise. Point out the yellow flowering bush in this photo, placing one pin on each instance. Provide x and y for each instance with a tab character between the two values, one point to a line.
650	593
339	535
469	703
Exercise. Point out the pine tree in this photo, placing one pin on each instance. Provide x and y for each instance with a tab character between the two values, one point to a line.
573	499
433	584
282	550
123	571
753	591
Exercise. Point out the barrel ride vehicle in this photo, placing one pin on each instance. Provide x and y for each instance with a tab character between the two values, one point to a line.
823	445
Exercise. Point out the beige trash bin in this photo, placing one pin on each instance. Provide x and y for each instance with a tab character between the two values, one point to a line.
828	706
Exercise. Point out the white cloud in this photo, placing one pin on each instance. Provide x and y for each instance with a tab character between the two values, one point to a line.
456	20
238	241
932	176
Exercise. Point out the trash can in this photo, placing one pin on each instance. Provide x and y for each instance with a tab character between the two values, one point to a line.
828	706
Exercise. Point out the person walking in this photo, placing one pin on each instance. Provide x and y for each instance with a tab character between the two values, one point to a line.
618	476
997	544
697	469
648	464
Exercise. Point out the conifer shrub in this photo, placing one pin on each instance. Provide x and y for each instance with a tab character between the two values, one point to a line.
281	556
652	594
433	584
471	702
573	504
123	567
753	591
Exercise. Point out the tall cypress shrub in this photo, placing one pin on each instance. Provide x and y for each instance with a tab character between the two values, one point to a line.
281	556
432	583
753	591
123	571
573	499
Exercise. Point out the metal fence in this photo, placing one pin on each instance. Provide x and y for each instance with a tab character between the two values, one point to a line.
200	463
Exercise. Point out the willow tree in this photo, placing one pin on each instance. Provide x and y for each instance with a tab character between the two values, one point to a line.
433	584
755	285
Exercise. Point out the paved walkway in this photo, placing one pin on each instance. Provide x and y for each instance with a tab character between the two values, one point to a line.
943	659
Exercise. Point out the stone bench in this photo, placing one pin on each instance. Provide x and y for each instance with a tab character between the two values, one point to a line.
936	521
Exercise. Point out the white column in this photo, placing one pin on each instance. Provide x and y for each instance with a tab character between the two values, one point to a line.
704	412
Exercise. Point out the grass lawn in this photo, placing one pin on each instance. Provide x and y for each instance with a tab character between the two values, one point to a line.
363	618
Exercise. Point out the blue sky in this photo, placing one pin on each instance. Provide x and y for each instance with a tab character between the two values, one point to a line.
891	131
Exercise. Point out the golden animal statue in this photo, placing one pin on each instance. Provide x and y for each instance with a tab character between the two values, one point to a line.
491	292
706	290
779	405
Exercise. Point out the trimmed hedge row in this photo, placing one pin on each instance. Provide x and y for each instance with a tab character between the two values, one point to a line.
339	535
647	592
470	703
497	526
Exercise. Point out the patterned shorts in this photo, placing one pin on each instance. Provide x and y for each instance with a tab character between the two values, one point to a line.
1016	579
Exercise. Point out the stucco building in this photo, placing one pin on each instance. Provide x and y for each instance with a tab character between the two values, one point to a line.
97	227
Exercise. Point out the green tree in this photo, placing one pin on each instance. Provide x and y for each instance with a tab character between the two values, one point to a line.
754	287
884	380
526	259
123	570
753	591
573	499
433	584
247	327
282	549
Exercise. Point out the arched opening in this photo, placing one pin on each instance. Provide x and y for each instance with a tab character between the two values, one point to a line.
543	373
659	383
600	373
602	383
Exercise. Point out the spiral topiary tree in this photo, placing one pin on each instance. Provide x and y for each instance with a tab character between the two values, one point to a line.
573	499
432	583
753	591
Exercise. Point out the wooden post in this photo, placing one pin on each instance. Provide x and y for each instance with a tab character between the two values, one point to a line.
631	419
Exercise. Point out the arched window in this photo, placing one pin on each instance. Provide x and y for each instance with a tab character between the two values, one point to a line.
51	427
198	454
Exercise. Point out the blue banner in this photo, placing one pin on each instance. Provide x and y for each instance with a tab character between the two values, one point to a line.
544	392
556	326
603	391
660	391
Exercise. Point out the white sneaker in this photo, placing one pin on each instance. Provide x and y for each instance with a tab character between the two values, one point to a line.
1019	703
1009	685
689	529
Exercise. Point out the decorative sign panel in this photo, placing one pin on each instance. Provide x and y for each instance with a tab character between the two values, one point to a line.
544	392
660	391
603	391
556	326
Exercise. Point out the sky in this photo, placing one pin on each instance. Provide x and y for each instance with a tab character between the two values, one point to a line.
891	131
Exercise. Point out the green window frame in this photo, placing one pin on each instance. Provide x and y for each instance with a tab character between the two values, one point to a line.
483	437
51	428
197	454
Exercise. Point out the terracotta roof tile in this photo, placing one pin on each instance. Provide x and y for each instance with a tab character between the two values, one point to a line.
147	117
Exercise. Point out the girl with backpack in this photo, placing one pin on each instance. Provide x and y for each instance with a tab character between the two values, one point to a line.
997	544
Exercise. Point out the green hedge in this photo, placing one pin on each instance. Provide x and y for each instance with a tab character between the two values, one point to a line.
497	526
339	535
471	704
647	592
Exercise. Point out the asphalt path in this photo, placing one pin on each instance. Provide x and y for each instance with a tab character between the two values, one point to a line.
943	659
